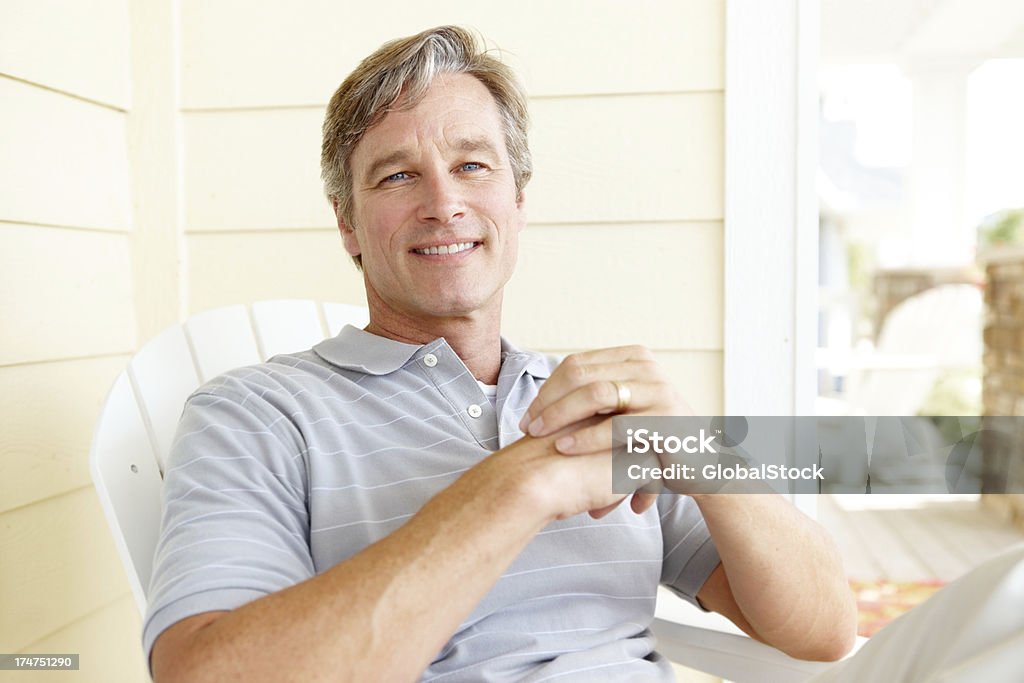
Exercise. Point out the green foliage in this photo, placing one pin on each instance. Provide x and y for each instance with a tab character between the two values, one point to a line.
859	266
1002	227
955	392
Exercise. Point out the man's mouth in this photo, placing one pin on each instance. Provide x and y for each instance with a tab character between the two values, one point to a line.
446	249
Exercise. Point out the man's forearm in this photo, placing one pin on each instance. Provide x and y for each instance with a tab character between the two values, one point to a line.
384	613
785	573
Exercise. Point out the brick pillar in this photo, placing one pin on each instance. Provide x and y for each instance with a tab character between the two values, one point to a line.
1003	392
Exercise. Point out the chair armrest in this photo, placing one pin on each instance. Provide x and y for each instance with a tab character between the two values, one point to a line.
729	656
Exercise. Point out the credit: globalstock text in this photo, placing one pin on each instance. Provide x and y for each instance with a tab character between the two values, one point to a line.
817	454
721	472
643	441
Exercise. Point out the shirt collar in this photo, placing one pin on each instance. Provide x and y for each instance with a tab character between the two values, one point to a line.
362	351
536	364
359	350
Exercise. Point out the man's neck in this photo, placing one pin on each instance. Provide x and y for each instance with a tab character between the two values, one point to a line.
475	339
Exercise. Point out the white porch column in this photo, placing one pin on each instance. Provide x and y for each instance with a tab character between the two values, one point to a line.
771	206
939	234
771	211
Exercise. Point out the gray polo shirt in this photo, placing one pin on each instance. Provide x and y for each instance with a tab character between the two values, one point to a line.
279	471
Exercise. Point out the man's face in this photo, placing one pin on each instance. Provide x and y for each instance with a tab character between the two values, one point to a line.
435	214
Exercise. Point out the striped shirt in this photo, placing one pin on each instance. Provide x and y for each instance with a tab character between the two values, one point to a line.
280	471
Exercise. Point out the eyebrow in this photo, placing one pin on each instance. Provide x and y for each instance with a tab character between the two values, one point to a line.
400	156
377	167
475	144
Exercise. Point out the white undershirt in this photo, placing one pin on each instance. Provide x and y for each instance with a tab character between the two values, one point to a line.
490	391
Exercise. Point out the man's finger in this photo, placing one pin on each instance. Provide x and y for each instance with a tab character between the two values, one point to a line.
641	502
569	378
601	512
623	363
597	398
588	440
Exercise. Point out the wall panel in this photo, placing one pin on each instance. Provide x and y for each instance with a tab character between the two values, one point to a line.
154	139
229	268
597	159
54	407
656	284
620	159
698	377
109	642
560	48
62	161
254	170
59	565
76	47
69	294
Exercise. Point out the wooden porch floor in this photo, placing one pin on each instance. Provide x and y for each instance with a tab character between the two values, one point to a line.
914	538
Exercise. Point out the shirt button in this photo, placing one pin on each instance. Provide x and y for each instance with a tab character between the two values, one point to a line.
430	360
474	411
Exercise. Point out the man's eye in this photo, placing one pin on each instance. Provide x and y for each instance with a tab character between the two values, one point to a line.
395	177
471	166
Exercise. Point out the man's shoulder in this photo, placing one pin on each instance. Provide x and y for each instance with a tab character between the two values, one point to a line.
287	373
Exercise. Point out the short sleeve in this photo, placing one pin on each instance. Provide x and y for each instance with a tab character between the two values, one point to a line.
689	554
235	523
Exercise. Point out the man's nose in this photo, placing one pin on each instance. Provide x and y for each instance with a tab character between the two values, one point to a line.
442	199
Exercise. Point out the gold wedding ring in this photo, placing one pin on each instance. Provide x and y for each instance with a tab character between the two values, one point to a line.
624	396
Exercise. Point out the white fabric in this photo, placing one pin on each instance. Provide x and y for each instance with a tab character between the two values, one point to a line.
971	631
490	391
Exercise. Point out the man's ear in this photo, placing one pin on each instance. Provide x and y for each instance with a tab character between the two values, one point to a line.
348	234
521	206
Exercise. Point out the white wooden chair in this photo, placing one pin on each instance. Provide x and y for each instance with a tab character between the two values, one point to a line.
134	431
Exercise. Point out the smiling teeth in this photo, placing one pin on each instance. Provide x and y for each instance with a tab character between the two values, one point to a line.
446	248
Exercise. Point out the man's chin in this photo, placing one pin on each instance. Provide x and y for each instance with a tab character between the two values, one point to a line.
443	306
459	310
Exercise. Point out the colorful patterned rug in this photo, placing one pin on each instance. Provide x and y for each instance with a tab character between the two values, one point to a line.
881	601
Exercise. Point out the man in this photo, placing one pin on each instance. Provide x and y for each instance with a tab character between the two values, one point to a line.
372	510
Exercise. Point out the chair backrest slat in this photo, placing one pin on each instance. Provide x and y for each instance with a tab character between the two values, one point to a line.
222	339
164	374
286	326
124	469
339	315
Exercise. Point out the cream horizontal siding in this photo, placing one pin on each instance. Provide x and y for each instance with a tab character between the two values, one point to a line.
597	159
67	294
251	170
107	640
228	268
238	54
627	158
79	48
51	409
64	566
626	283
697	375
63	161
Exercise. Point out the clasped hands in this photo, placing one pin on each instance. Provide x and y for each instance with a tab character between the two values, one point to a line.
622	380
